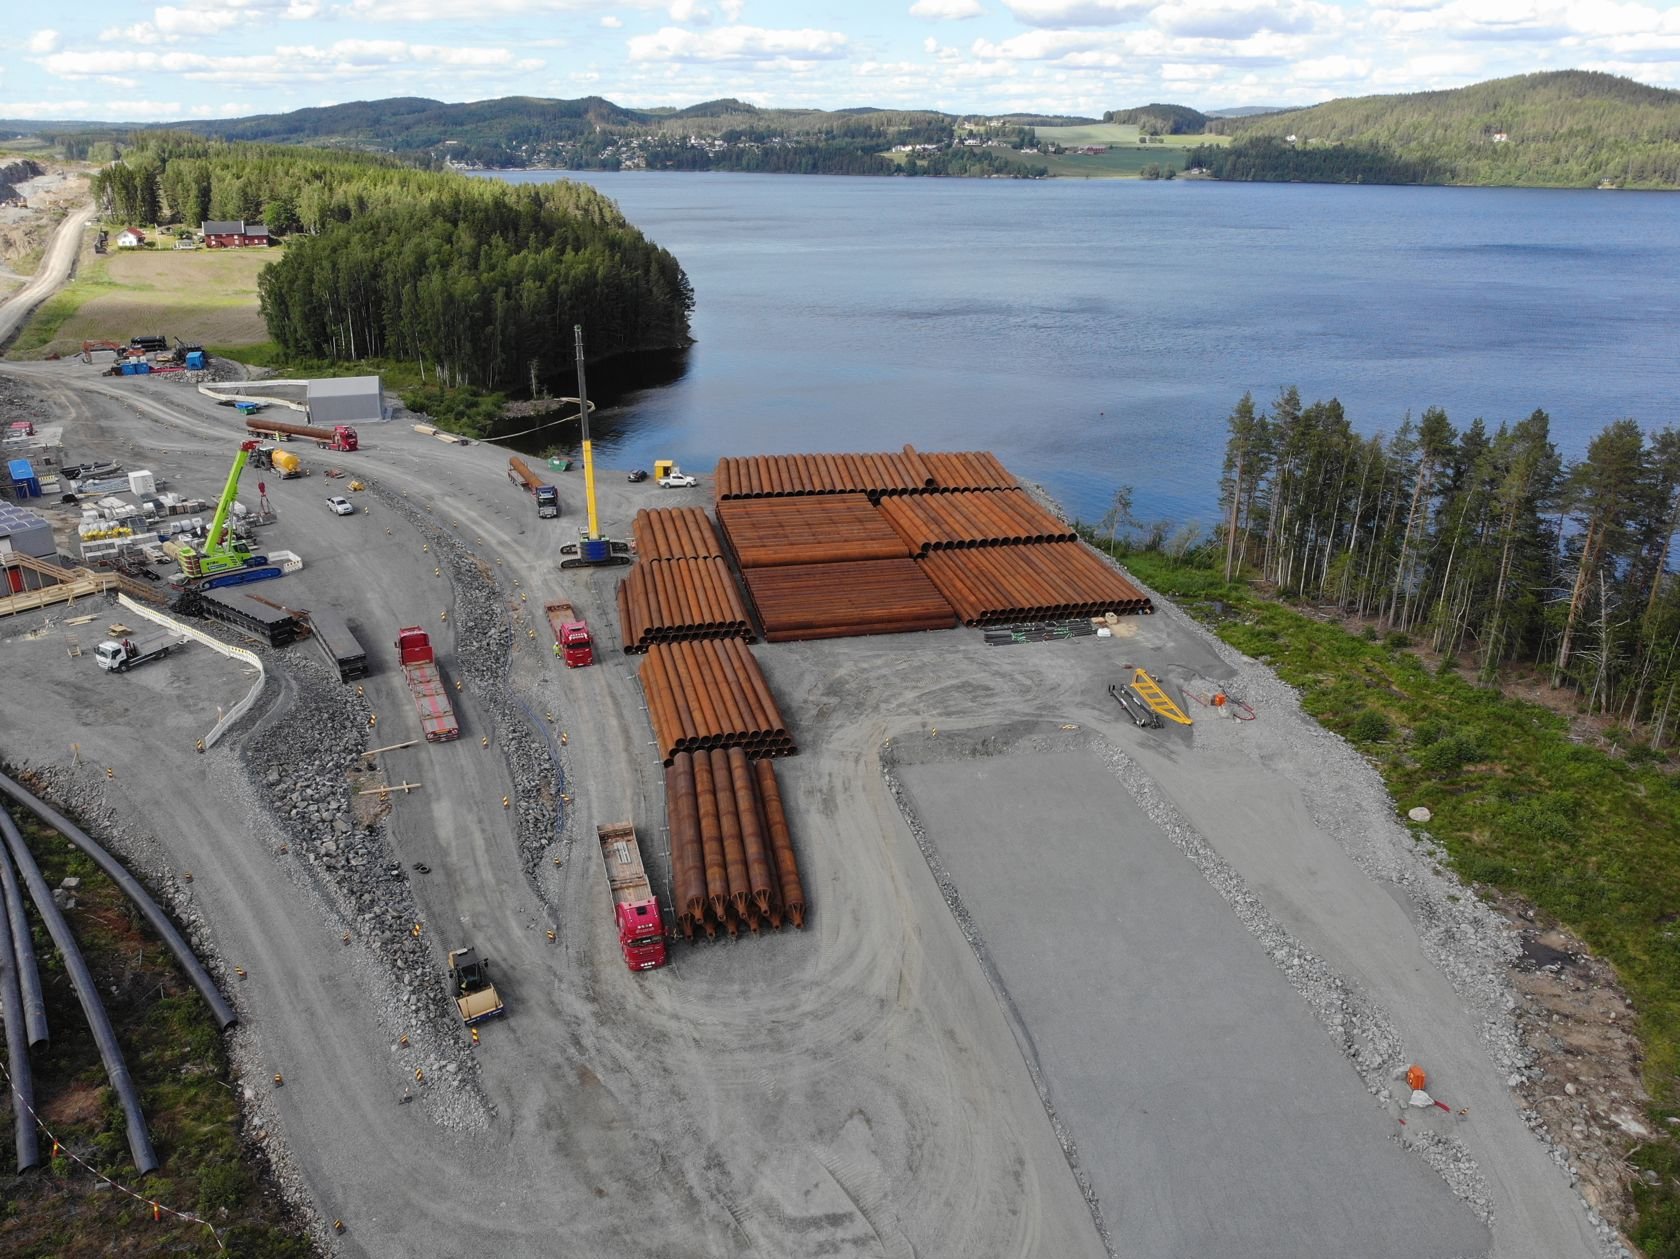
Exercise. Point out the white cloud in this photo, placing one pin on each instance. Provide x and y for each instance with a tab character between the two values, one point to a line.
141	111
288	63
1236	19
42	42
48	109
1063	13
731	9
611	22
1045	45
946	10
301	10
1332	69
690	11
738	44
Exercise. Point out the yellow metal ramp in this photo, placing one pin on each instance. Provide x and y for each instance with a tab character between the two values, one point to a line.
1150	692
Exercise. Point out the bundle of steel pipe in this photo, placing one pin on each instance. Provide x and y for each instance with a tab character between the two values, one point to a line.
520	473
674	533
1038	581
669	601
972	518
732	858
799	601
956	470
814	530
710	693
770	476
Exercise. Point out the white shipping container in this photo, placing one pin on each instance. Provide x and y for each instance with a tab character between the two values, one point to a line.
142	484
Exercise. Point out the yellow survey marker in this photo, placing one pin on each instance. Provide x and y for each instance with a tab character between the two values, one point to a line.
1150	692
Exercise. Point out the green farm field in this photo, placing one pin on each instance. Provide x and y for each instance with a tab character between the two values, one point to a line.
1089	133
206	297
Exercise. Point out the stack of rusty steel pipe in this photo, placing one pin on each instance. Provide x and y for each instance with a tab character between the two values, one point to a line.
819	529
956	471
710	693
732	858
930	522
680	587
519	472
801	601
1039	581
674	533
774	476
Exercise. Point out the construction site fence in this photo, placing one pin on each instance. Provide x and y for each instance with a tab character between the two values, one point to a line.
215	644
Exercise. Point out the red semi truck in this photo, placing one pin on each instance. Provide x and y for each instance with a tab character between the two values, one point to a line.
641	930
425	683
338	437
571	635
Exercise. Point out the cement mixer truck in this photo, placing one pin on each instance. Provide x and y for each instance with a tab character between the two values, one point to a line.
338	437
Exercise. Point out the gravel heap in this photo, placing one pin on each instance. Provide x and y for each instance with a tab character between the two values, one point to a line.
483	642
300	765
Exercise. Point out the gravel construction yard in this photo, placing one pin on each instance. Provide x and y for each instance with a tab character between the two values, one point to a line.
1069	988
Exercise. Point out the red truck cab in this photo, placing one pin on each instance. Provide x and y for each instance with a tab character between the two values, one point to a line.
572	642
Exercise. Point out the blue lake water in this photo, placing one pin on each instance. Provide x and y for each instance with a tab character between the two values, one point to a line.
1097	333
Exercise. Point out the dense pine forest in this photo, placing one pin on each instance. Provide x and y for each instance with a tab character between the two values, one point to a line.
1481	544
472	280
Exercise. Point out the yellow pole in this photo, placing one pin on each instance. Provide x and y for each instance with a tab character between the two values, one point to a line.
588	454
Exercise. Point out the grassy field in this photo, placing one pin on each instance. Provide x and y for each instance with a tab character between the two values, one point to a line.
1089	133
202	296
1115	164
178	1061
1590	836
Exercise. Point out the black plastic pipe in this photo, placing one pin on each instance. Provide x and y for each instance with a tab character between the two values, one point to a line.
17	1046
223	1012
116	1069
23	950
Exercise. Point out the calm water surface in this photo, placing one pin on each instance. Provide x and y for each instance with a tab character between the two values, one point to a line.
1098	333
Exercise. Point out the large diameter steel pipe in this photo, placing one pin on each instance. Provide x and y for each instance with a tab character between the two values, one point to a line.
223	1012
116	1069
23	949
17	1044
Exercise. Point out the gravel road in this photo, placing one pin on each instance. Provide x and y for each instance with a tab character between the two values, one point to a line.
857	1088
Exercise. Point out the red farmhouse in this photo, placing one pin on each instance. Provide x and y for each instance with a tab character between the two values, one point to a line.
229	233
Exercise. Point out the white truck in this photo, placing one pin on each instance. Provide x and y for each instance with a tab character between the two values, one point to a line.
120	657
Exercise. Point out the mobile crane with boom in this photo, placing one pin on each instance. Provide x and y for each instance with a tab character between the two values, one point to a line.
223	560
591	550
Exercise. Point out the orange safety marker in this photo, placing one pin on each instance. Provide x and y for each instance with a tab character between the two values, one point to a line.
403	1040
419	1075
484	741
186	876
1416	1078
346	937
240	971
415	930
338	1226
109	772
550	931
474	1032
157	1212
279	1080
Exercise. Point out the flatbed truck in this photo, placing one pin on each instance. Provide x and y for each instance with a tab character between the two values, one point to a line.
641	929
425	684
120	657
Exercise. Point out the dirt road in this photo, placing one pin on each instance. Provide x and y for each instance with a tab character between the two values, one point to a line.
859	1088
54	270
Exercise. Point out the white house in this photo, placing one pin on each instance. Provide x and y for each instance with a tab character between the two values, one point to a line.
130	238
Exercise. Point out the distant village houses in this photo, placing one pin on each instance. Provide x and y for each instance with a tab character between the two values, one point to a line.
234	234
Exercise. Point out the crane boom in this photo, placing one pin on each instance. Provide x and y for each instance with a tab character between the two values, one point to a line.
588	453
213	541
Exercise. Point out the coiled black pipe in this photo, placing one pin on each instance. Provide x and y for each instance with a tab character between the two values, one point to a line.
23	950
17	1044
116	1069
225	1017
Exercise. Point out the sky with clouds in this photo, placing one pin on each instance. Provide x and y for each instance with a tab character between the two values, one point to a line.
219	58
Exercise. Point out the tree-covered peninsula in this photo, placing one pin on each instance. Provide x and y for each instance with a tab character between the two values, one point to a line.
471	280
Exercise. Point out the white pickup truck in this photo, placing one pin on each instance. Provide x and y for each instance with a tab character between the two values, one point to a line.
678	481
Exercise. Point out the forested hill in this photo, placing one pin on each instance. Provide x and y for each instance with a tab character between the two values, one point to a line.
475	280
595	134
1567	129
